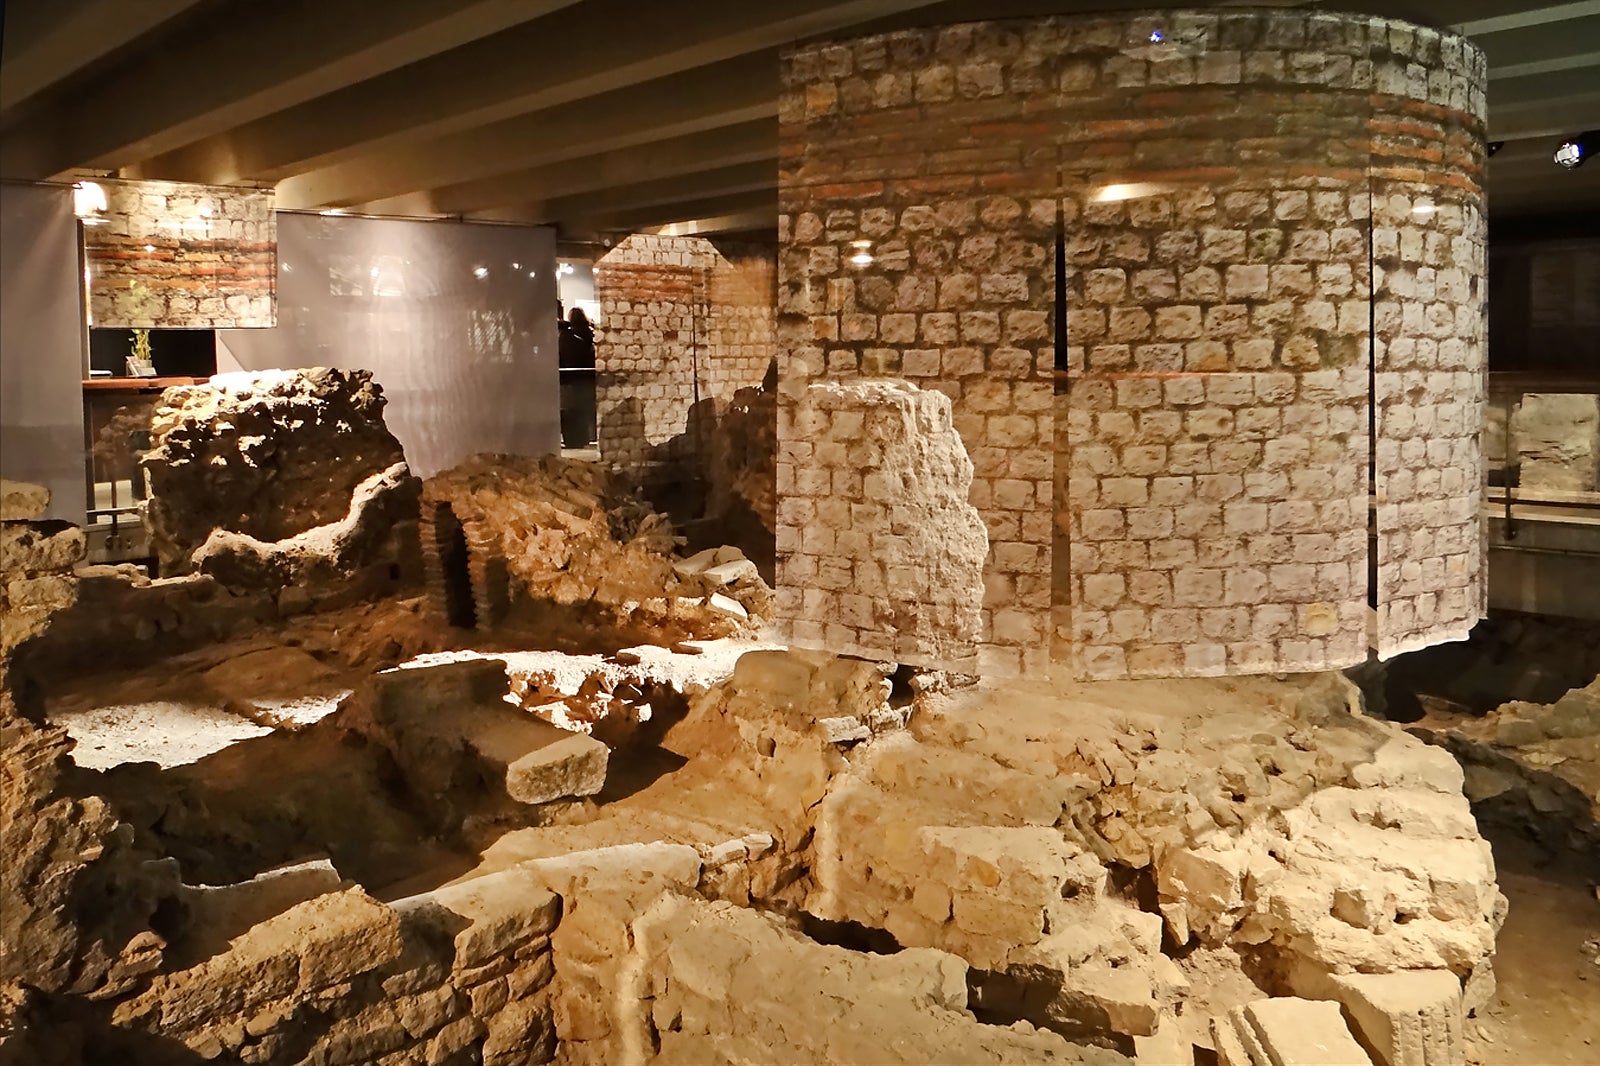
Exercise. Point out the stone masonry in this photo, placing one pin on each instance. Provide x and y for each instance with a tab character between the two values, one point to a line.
880	553
1258	212
681	323
180	256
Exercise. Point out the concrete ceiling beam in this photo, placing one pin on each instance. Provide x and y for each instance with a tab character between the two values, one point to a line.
46	43
264	58
636	219
741	222
715	183
598	46
722	94
747	143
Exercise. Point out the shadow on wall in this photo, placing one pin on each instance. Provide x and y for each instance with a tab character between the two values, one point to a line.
717	478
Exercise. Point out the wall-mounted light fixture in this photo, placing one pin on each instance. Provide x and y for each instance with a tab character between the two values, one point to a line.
89	202
863	253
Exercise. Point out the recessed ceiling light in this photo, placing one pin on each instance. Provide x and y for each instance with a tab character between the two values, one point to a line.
1574	152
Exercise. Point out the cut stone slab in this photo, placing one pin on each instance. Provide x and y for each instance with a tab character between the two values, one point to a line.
426	714
1167	1046
22	502
218	914
1286	1032
1411	1018
505	910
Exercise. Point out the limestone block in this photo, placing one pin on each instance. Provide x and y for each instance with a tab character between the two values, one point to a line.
440	720
21	501
217	914
569	764
1286	1032
506	910
1412	1018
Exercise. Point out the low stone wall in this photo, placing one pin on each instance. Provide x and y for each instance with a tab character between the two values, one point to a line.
730	985
454	975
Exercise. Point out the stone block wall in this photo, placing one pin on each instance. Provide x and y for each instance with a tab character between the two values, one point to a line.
880	553
1429	345
178	256
681	324
457	974
1193	501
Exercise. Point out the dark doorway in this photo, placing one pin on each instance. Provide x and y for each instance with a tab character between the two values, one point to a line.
450	545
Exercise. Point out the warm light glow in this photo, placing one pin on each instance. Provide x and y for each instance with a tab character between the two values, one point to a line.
149	247
1130	191
1423	209
480	272
88	200
333	211
862	258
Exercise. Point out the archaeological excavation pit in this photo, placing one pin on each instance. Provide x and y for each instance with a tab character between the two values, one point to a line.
1050	553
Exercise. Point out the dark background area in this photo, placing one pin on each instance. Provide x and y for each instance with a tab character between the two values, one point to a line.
176	352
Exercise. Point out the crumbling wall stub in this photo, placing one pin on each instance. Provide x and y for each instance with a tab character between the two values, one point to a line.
879	552
684	324
1555	439
270	455
1215	204
344	978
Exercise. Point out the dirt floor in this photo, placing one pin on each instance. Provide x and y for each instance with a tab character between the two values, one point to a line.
1546	1009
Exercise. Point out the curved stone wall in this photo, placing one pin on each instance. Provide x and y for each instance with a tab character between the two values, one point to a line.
1271	233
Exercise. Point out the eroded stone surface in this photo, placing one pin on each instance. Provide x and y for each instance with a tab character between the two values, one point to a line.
1557	441
499	531
1533	766
270	454
879	552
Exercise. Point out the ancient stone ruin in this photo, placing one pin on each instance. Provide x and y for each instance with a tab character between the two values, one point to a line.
1066	716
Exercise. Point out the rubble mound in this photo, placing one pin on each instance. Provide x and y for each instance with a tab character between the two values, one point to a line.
1074	845
269	454
502	530
1533	767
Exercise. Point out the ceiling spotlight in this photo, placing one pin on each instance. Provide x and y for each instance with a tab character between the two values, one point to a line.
480	272
1575	151
1495	146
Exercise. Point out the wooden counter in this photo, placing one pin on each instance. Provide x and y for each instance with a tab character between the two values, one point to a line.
136	384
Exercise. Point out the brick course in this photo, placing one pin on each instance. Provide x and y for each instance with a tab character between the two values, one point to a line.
180	256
